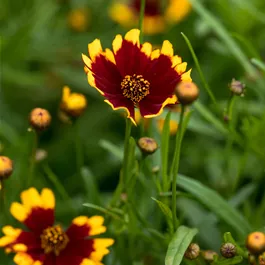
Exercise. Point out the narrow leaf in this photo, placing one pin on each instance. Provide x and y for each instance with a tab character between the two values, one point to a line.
258	63
213	201
179	244
113	149
234	260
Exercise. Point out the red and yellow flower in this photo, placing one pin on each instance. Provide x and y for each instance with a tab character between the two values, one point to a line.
134	75
47	244
156	16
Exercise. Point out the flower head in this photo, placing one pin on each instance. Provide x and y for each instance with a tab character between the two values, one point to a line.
6	167
47	244
73	104
156	17
255	242
134	75
78	19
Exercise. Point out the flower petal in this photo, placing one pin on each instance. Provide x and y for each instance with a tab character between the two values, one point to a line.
186	76
31	198
167	48
147	49
151	107
94	49
48	199
181	68
133	36
116	44
100	245
19	211
10	235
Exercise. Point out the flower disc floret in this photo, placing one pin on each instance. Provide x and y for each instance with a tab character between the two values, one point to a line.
135	75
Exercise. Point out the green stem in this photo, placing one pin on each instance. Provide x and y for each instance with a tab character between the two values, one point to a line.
141	19
196	61
175	167
230	105
55	181
2	197
123	173
34	145
79	152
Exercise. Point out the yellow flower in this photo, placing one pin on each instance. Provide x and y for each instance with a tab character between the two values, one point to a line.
173	126
46	243
6	167
73	104
78	19
155	20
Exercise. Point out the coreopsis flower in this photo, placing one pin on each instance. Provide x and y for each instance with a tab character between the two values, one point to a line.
44	243
73	104
6	167
134	75
78	19
156	16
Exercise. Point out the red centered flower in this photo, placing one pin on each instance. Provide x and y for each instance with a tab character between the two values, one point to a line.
47	244
134	75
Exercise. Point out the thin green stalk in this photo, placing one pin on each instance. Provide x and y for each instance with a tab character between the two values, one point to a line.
2	197
123	172
34	145
230	105
141	19
204	82
55	181
79	152
175	167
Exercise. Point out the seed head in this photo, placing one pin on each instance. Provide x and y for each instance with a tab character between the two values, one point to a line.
208	255
6	167
255	242
40	119
228	250
186	92
147	145
237	88
192	251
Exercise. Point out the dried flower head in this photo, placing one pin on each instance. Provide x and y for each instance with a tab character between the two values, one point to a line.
186	92
228	250
6	167
192	251
40	119
255	242
73	104
237	87
147	145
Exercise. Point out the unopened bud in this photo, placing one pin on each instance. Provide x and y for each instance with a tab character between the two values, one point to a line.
40	119
73	104
262	259
208	255
147	145
237	88
252	259
6	167
40	155
255	242
186	92
228	250
192	251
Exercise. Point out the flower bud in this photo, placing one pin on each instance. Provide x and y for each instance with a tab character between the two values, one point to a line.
262	259
6	167
186	92
40	119
147	145
255	242
228	250
78	19
73	104
40	155
252	259
237	88
208	255
192	251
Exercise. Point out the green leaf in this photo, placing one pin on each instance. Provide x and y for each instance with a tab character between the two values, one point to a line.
258	63
166	211
103	210
179	244
213	201
113	149
234	260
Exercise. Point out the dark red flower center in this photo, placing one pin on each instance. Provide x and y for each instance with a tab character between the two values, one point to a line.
152	7
54	239
135	88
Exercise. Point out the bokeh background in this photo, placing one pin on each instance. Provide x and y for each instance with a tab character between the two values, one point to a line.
41	46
